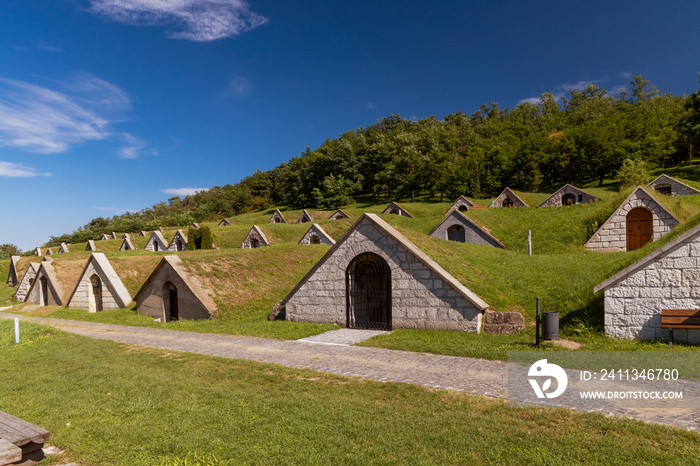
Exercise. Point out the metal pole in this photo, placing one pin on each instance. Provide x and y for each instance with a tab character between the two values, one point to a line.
537	323
529	242
16	330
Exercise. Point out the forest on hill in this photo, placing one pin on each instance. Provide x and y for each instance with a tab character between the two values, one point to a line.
581	139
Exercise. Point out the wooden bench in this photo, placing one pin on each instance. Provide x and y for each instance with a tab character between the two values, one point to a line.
680	318
19	437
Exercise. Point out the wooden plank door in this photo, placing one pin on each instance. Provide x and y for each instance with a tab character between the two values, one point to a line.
639	228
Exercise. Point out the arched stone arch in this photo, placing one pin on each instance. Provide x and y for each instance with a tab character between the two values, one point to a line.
568	199
315	239
456	233
368	291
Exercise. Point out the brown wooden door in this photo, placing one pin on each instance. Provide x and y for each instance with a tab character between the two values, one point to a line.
639	228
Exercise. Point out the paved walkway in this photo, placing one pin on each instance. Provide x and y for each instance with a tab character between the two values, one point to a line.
468	375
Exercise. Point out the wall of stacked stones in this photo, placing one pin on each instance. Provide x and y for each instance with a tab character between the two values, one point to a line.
555	200
471	234
151	243
613	236
498	202
633	306
420	299
677	189
150	301
24	285
83	298
312	232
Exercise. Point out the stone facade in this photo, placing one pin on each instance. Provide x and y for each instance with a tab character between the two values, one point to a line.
49	251
194	225
471	232
179	242
316	235
12	279
612	235
104	237
568	195
277	217
193	302
305	217
90	246
51	294
127	245
503	323
26	282
254	239
668	278
224	223
462	204
395	209
671	186
37	252
143	233
423	295
338	214
508	199
113	294
157	242
63	248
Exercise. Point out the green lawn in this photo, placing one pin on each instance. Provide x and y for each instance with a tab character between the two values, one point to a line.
112	404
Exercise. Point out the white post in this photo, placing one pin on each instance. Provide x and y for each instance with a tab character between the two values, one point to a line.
16	330
529	242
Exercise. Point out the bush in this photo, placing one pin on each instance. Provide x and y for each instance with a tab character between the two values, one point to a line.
633	173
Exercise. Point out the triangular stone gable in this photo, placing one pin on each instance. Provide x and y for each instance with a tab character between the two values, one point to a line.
194	225
255	239
671	186
113	236
157	242
316	235
179	242
423	294
50	295
112	294
193	302
508	198
471	232
63	248
27	281
12	277
305	217
224	223
338	214
143	233
568	195
612	235
90	246
49	251
277	217
127	245
395	209
104	237
462	204
667	278
37	252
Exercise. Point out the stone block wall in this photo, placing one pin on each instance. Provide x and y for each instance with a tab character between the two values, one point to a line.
556	199
420	298
472	234
150	301
25	284
677	188
306	239
633	306
612	236
84	298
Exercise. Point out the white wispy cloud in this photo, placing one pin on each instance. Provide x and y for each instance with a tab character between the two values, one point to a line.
16	170
183	191
195	20
239	86
46	47
134	147
370	105
49	120
562	90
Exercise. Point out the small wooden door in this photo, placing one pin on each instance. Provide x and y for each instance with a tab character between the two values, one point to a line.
639	228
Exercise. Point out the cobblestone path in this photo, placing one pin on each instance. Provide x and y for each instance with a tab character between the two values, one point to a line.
468	375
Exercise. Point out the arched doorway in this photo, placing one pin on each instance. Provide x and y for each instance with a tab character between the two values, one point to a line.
456	233
155	245
664	189
463	208
278	220
304	220
171	309
368	291
507	202
44	291
639	228
97	291
394	212
315	240
178	245
254	243
568	199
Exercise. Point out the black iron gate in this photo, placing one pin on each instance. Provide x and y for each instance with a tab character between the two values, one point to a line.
368	285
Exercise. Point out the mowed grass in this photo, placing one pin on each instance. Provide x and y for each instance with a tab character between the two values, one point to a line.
112	404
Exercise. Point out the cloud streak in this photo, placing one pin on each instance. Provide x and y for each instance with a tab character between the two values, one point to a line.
195	20
562	90
183	191
16	170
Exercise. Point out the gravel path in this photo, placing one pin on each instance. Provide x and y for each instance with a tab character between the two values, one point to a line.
468	375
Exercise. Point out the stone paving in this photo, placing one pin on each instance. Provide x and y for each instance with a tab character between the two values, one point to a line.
343	337
467	375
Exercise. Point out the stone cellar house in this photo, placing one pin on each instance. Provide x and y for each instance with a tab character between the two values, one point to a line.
255	239
127	245
639	220
114	235
224	223
508	199
457	227
37	252
568	195
90	246
305	217
99	287
171	292
664	184
63	248
395	209
316	235
375	278
179	242
143	233
462	204
277	217
12	277
46	290
668	278
27	281
338	214
104	237
156	242
194	225
49	251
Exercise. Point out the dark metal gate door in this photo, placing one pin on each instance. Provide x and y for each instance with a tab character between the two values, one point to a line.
368	283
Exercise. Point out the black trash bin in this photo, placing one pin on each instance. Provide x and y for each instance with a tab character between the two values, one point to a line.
550	325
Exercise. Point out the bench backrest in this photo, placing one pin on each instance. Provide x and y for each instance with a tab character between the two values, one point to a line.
680	318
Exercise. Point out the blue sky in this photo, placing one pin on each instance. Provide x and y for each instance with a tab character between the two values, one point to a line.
109	105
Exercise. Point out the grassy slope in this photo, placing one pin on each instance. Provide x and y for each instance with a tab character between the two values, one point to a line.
142	406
